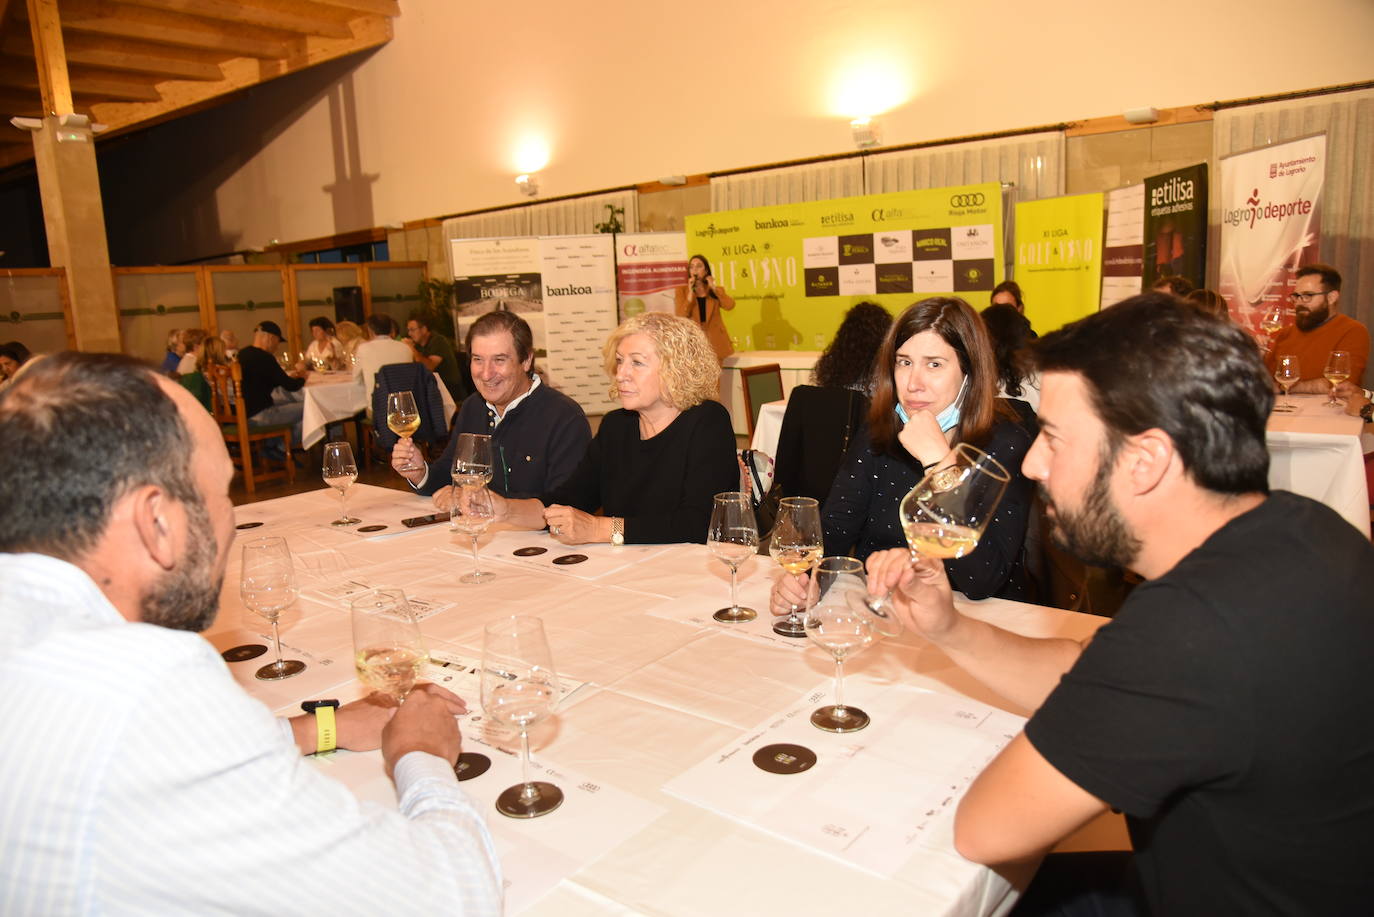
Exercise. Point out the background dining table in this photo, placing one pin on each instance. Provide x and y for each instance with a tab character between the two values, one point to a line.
662	815
334	396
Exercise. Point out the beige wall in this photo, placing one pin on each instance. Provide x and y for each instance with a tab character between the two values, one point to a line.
428	125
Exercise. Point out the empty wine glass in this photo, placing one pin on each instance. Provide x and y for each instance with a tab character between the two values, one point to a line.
403	418
1287	372
520	688
733	536
840	622
388	650
477	512
472	459
945	514
1337	371
339	471
796	546
267	584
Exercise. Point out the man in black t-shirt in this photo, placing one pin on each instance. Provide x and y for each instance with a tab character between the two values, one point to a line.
1224	709
270	394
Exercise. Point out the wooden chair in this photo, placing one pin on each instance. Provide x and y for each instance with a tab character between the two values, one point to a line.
226	389
761	385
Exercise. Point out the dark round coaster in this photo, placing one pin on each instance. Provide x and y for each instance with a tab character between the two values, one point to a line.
247	525
511	802
784	759
244	652
567	559
529	552
371	528
471	764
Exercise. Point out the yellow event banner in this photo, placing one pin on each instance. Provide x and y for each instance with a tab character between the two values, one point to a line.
794	269
1059	258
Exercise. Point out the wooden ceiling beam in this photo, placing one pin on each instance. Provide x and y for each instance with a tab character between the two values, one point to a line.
50	59
123	20
106	84
281	16
132	56
388	8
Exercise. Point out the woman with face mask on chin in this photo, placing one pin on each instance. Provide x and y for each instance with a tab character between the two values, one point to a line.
935	385
652	471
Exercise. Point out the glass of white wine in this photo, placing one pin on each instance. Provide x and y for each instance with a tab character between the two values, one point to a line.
1287	373
339	471
840	622
403	418
477	512
733	536
267	584
1271	323
796	546
520	688
1337	371
388	650
945	514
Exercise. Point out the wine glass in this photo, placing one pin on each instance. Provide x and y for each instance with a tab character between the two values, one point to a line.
472	459
1337	371
1271	324
477	512
267	585
388	650
945	514
520	688
1287	372
839	622
340	471
796	546
403	418
733	536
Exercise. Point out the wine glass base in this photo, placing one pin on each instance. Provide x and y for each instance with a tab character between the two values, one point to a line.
479	576
735	615
790	628
279	670
512	803
346	520
839	719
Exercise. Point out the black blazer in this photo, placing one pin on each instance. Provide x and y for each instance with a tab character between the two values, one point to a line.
815	434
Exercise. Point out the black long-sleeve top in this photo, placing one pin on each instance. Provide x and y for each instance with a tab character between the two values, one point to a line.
861	514
261	374
664	486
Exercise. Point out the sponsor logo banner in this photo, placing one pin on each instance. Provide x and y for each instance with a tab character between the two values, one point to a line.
649	266
1270	202
794	269
1059	258
1176	225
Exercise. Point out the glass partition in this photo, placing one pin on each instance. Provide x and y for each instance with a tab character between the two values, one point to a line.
396	290
315	294
31	310
243	298
152	305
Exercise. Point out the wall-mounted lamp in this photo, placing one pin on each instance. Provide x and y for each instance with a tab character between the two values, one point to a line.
528	184
1147	115
867	132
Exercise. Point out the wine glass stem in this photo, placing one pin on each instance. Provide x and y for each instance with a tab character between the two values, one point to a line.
734	596
410	463
276	639
839	684
476	562
343	505
529	792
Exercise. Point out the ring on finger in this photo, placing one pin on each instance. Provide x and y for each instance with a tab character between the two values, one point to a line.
555	530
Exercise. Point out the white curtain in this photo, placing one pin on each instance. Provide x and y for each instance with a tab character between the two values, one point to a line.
555	218
1033	164
820	181
1347	227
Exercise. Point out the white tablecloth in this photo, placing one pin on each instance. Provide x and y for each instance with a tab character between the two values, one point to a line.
330	397
796	366
1315	451
668	693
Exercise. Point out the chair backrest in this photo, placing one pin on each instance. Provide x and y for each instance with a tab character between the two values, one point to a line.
226	394
409	377
761	384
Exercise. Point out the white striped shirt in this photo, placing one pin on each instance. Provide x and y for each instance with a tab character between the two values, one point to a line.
137	777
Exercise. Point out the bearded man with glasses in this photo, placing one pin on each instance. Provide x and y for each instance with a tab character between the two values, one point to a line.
1319	328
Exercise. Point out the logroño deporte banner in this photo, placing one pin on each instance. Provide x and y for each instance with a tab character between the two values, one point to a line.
794	269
